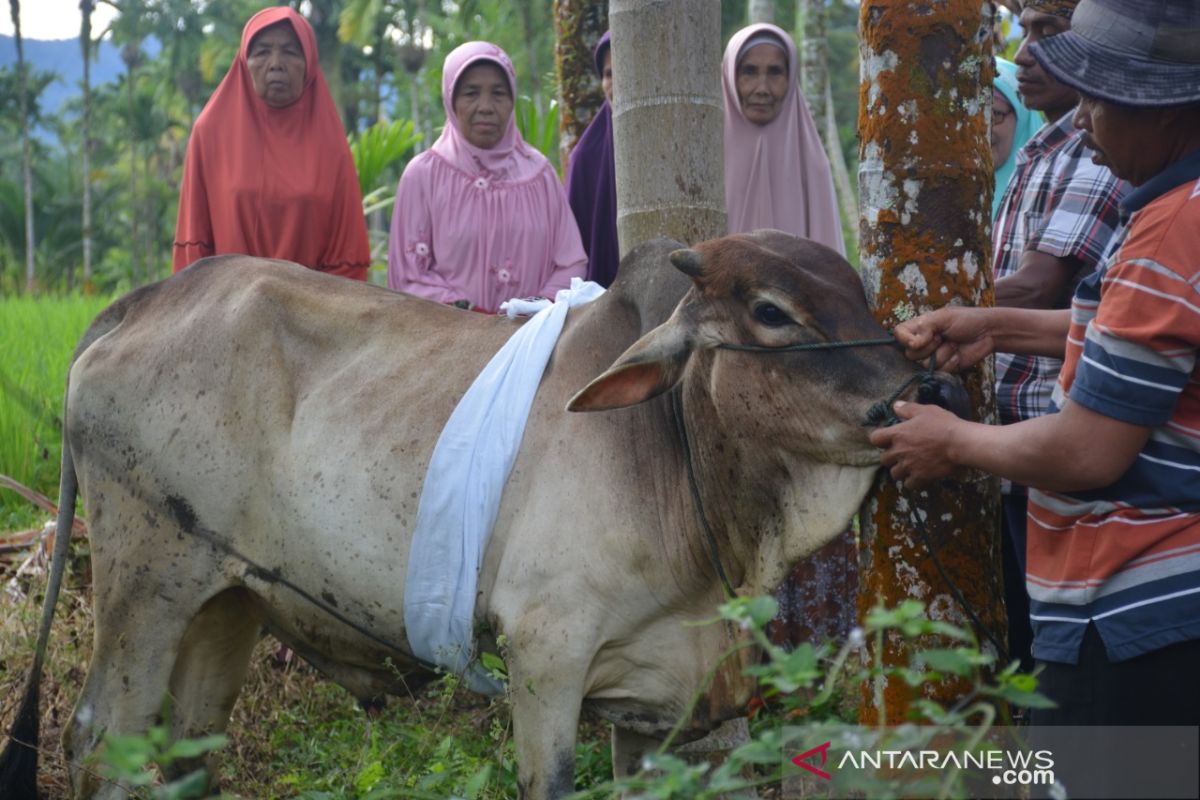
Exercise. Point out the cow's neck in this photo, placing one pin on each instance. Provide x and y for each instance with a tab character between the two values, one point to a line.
767	507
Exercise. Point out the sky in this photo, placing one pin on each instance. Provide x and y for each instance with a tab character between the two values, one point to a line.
53	19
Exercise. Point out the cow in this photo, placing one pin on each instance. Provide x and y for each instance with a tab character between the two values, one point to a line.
251	438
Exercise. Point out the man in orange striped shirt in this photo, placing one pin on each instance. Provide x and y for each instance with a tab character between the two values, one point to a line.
1114	519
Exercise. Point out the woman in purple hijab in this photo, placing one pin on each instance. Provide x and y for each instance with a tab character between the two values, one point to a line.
592	181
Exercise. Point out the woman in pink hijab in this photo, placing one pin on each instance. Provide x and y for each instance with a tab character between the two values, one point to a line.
776	172
481	217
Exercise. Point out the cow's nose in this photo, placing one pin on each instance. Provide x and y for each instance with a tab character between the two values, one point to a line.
946	391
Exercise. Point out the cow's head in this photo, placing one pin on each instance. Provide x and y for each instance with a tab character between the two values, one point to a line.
781	431
769	289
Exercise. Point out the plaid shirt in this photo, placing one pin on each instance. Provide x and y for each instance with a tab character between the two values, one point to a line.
1059	203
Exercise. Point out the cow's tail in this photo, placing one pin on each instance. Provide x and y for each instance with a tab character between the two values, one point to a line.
19	759
18	762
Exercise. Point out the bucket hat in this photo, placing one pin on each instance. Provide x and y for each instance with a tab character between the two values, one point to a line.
1142	53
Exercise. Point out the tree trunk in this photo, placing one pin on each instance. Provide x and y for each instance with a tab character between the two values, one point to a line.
85	44
131	57
324	19
668	138
578	26
814	63
925	188
668	121
760	11
818	93
26	154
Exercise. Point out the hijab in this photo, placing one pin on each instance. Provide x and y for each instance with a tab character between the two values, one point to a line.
592	187
511	159
776	175
481	225
1028	124
272	182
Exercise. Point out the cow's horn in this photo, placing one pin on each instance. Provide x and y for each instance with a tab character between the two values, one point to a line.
689	262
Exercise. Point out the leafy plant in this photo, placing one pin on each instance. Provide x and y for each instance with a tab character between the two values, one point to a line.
135	761
380	146
539	128
803	685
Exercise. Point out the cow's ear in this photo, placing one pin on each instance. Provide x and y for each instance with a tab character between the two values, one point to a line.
650	367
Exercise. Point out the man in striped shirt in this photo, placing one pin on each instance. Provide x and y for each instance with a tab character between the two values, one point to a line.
1114	522
1056	218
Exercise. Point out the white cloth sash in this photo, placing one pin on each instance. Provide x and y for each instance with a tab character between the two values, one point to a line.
463	485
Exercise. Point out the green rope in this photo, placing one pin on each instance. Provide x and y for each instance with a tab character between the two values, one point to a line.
754	348
880	414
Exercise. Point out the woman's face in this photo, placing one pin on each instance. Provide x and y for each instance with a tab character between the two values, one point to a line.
606	76
276	62
1004	127
483	102
762	82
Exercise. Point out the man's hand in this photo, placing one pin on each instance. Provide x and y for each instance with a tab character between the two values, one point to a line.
955	336
917	450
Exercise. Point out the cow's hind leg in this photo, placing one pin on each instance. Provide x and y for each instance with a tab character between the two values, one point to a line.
126	685
211	668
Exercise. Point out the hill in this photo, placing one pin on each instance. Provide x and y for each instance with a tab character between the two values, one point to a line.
63	58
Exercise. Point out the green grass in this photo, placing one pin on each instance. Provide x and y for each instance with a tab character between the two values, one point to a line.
37	337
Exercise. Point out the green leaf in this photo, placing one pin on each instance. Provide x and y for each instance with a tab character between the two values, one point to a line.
194	784
956	661
493	663
193	748
478	781
750	611
367	777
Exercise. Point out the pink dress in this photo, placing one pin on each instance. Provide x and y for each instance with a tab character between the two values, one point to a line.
481	225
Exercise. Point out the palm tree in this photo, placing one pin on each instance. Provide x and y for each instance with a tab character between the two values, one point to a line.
649	203
85	44
131	54
26	156
760	11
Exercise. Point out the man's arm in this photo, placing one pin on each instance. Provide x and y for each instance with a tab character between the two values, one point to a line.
1072	450
1041	281
959	337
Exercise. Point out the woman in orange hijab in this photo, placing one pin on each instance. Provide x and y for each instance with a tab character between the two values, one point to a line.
268	171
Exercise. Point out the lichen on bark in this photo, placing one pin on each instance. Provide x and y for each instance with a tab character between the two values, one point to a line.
925	182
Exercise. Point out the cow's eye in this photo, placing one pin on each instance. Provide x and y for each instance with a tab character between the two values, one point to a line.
770	315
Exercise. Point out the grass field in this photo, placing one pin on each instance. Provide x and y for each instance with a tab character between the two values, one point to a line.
37	337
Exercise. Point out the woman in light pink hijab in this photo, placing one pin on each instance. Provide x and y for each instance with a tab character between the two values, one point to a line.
776	172
481	217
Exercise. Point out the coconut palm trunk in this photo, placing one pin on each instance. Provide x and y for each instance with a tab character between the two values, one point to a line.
26	152
668	120
760	11
85	44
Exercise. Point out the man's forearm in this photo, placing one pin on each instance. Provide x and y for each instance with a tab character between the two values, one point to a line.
1028	331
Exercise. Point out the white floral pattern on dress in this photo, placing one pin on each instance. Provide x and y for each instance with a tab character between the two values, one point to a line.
419	248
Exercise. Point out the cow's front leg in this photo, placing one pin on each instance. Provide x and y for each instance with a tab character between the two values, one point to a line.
545	713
